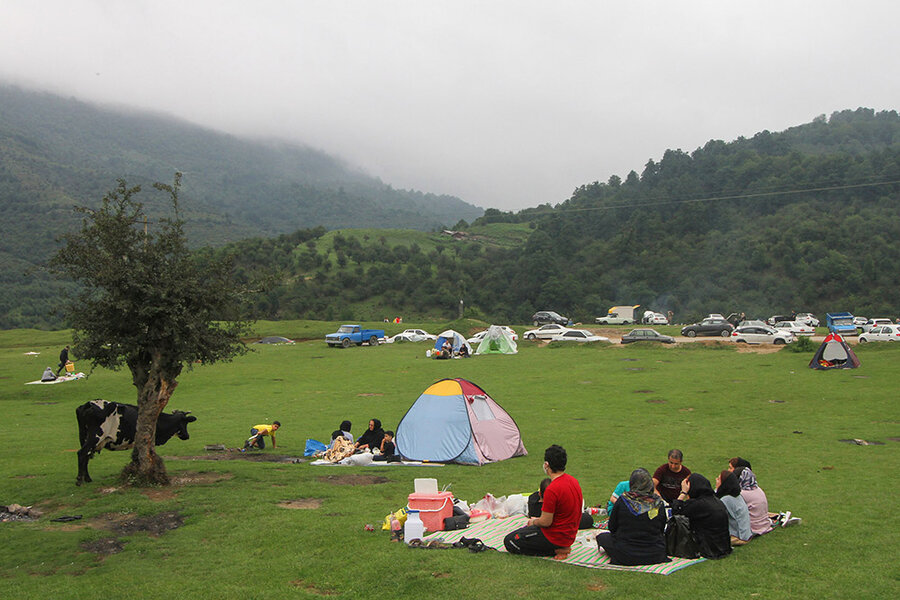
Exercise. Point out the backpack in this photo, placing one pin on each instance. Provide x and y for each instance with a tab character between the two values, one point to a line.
680	540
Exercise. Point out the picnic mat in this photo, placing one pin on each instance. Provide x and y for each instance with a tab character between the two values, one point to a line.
60	379
584	551
379	463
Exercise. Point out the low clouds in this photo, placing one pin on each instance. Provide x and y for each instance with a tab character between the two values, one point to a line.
506	103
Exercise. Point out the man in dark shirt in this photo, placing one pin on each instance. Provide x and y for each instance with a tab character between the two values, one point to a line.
63	359
668	477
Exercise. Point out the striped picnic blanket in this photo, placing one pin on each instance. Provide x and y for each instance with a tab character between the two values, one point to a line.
584	551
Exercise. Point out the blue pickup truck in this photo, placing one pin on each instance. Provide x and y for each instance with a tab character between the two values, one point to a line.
353	334
841	323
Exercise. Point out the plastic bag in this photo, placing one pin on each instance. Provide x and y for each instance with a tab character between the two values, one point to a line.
400	515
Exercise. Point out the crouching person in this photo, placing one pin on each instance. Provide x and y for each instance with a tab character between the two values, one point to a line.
552	533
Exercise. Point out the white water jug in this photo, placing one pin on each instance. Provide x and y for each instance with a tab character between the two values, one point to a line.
413	529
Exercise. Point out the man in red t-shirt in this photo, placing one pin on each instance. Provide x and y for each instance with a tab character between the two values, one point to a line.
561	511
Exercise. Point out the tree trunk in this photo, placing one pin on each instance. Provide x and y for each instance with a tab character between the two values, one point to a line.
154	390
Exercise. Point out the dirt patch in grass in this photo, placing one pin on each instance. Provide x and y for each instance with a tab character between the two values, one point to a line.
104	546
159	494
302	503
312	588
353	479
370	394
128	524
439	575
236	454
758	348
596	586
861	442
644	392
656	401
199	478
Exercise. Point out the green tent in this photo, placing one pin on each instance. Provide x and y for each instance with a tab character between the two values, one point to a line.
496	340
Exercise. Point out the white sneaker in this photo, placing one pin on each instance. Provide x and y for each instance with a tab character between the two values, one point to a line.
792	521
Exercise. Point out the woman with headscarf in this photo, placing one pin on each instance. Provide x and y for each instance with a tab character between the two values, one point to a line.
707	515
728	490
372	437
756	500
636	525
342	431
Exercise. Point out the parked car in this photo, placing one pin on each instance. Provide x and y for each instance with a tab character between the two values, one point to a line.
708	326
859	321
619	315
646	335
543	317
578	335
875	323
411	335
761	335
756	322
843	323
778	319
654	318
881	333
808	318
544	332
795	327
476	339
347	335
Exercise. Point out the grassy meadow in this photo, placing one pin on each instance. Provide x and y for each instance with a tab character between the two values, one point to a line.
613	408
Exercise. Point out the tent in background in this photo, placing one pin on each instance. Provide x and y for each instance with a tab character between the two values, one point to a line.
496	340
834	353
456	340
454	420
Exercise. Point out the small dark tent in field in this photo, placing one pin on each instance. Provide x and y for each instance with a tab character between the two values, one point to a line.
275	340
834	353
454	420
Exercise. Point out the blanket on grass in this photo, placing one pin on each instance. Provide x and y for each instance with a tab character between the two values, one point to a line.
378	463
60	379
584	551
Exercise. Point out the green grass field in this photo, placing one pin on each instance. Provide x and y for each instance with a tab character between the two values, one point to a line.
613	408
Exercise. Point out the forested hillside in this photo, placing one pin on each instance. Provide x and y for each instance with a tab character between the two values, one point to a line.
805	219
57	152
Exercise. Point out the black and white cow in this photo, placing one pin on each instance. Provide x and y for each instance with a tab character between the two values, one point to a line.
112	425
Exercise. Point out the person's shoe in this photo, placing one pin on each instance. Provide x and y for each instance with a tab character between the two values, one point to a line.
792	521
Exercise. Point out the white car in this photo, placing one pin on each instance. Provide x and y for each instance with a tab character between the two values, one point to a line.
881	333
656	319
752	334
412	335
859	321
795	327
476	339
578	335
872	323
545	332
807	318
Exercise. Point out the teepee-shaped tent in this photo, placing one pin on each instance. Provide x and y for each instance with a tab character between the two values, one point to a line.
834	353
496	340
454	420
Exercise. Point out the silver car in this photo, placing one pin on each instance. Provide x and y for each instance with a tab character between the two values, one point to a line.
753	334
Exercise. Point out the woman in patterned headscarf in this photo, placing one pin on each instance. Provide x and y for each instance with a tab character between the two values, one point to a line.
637	524
756	500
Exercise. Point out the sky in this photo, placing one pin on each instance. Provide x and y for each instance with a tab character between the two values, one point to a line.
505	103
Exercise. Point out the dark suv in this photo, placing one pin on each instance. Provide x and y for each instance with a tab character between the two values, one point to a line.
542	317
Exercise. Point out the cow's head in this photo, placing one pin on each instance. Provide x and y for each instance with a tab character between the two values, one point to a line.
183	419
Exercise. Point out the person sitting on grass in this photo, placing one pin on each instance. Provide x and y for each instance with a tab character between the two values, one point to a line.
708	516
668	477
388	450
553	533
636	525
756	500
536	500
372	437
258	434
620	489
342	431
49	375
728	490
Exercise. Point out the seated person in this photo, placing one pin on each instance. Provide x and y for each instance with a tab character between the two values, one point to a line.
636	525
737	461
388	451
463	351
536	500
48	375
621	488
708	516
342	431
372	437
756	500
553	533
668	477
728	490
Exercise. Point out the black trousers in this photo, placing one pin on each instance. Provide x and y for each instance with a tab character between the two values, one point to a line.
529	540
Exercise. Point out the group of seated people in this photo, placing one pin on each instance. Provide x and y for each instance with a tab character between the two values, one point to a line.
446	351
639	509
374	439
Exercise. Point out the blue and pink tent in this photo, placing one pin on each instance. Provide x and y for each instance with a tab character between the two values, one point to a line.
454	420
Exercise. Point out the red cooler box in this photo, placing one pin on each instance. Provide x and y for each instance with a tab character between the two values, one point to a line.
433	508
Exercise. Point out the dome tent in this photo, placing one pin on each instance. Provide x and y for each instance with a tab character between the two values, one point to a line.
454	420
456	340
834	353
496	340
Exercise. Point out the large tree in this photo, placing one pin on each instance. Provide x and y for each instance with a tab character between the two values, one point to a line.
148	303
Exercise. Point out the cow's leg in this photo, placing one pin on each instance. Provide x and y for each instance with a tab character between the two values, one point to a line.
84	455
